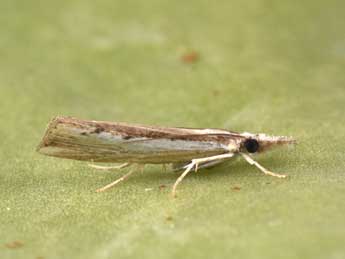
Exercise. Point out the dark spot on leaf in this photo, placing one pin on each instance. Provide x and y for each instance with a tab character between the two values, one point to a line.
127	137
190	57
15	244
84	133
236	188
162	186
216	92
168	218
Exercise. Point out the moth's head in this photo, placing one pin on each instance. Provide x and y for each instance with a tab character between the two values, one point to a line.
257	143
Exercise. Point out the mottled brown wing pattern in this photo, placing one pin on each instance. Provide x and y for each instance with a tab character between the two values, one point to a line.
120	142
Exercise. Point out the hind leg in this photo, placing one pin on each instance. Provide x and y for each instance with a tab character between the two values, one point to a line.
121	179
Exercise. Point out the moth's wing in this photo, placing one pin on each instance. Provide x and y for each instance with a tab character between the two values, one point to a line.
189	131
120	142
178	133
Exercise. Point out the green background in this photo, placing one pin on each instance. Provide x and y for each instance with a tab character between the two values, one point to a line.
265	66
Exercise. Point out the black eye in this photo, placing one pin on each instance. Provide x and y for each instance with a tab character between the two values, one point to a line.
251	145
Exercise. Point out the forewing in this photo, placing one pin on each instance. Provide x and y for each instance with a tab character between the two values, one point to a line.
119	142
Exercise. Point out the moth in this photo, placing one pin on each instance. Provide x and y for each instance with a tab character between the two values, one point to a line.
187	149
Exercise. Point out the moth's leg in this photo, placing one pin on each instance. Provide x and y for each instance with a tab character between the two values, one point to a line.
195	163
106	168
124	177
181	166
189	167
210	159
210	164
262	169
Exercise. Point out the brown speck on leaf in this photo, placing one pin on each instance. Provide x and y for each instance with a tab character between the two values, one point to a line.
215	92
190	57
162	186
236	188
15	244
168	218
